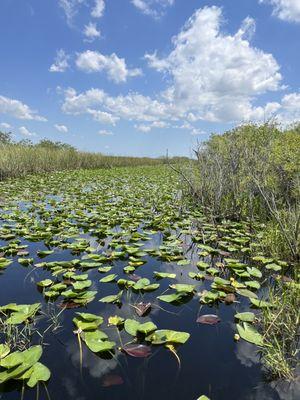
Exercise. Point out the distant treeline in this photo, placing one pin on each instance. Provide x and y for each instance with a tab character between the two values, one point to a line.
23	157
253	172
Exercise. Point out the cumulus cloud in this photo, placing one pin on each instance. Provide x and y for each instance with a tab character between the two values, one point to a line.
115	67
91	32
61	62
61	128
288	110
18	110
216	75
133	106
24	131
286	10
212	76
98	10
103	117
154	8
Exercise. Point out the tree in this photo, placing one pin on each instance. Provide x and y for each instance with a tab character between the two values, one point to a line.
5	138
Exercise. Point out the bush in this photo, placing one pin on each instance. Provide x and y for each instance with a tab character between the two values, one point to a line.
253	172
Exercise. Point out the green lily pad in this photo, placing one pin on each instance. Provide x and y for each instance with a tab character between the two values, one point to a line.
108	278
245	316
168	336
87	322
250	334
261	303
97	342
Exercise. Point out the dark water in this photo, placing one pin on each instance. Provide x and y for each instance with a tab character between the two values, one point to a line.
211	362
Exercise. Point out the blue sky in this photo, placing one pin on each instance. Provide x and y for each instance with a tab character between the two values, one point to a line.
137	77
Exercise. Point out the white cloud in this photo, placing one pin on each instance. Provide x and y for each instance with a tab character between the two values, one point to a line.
288	111
24	131
105	133
159	124
143	128
98	10
286	10
61	62
115	67
18	110
196	132
78	104
154	8
214	75
103	117
133	106
91	32
70	8
61	128
5	125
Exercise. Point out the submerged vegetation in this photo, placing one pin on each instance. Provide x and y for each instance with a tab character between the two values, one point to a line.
126	258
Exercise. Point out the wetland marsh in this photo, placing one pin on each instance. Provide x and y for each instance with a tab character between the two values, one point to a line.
115	286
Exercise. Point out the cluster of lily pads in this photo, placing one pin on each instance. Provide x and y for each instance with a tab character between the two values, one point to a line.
101	218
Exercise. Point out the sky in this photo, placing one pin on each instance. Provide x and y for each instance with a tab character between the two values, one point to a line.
140	77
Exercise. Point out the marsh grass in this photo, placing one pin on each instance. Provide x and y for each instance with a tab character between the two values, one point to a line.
281	325
17	160
19	337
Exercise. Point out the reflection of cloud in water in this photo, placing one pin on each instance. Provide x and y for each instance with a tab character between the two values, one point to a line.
96	366
70	386
276	391
247	353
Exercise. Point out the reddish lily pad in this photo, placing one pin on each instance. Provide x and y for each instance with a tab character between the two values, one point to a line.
209	319
137	350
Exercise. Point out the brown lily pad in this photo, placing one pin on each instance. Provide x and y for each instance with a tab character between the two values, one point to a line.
208	319
137	350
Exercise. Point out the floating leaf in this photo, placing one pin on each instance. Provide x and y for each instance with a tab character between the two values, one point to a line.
209	319
180	287
261	303
247	293
168	336
250	334
115	299
38	373
4	350
174	297
273	267
245	316
87	322
137	350
104	269
108	278
45	283
197	276
161	275
131	326
97	341
18	362
80	285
